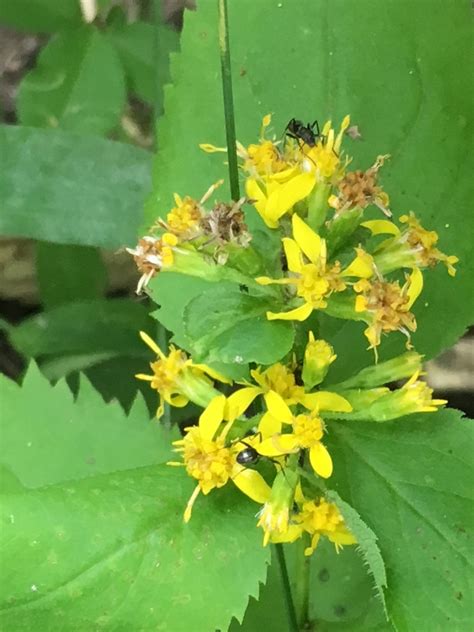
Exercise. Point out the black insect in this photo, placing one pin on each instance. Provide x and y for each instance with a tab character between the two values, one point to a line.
308	134
247	456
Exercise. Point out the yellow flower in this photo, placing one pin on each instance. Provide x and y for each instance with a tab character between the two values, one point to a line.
320	518
151	255
177	379
185	218
415	396
277	378
409	247
212	462
276	195
307	429
324	159
313	278
387	306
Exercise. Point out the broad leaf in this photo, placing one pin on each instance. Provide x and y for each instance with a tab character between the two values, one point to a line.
46	16
49	437
77	84
228	325
399	71
410	480
69	188
113	551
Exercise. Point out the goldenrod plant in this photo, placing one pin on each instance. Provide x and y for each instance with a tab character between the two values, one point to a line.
249	439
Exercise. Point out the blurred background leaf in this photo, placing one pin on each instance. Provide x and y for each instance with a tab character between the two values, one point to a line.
45	16
70	188
77	84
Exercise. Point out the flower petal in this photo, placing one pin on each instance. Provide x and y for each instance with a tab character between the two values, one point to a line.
299	313
362	266
381	227
189	506
212	373
252	484
239	401
152	344
269	426
415	285
321	461
211	418
277	407
285	196
324	400
278	445
293	254
307	239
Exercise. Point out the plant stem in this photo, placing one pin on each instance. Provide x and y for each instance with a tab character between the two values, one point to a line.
290	606
302	582
228	99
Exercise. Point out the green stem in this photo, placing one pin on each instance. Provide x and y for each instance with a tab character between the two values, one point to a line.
228	99
302	582
289	605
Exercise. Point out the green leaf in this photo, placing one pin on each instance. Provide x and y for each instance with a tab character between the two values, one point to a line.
341	595
410	480
69	273
144	51
69	188
366	544
84	326
46	16
421	116
77	84
49	437
173	292
113	551
228	325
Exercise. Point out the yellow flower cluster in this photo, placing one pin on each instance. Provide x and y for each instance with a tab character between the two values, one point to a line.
269	435
289	434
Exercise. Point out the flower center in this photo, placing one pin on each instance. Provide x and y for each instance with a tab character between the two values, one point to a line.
312	286
184	217
167	370
209	461
264	158
280	379
308	429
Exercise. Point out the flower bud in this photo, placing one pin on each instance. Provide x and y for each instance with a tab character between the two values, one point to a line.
275	515
395	369
318	356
